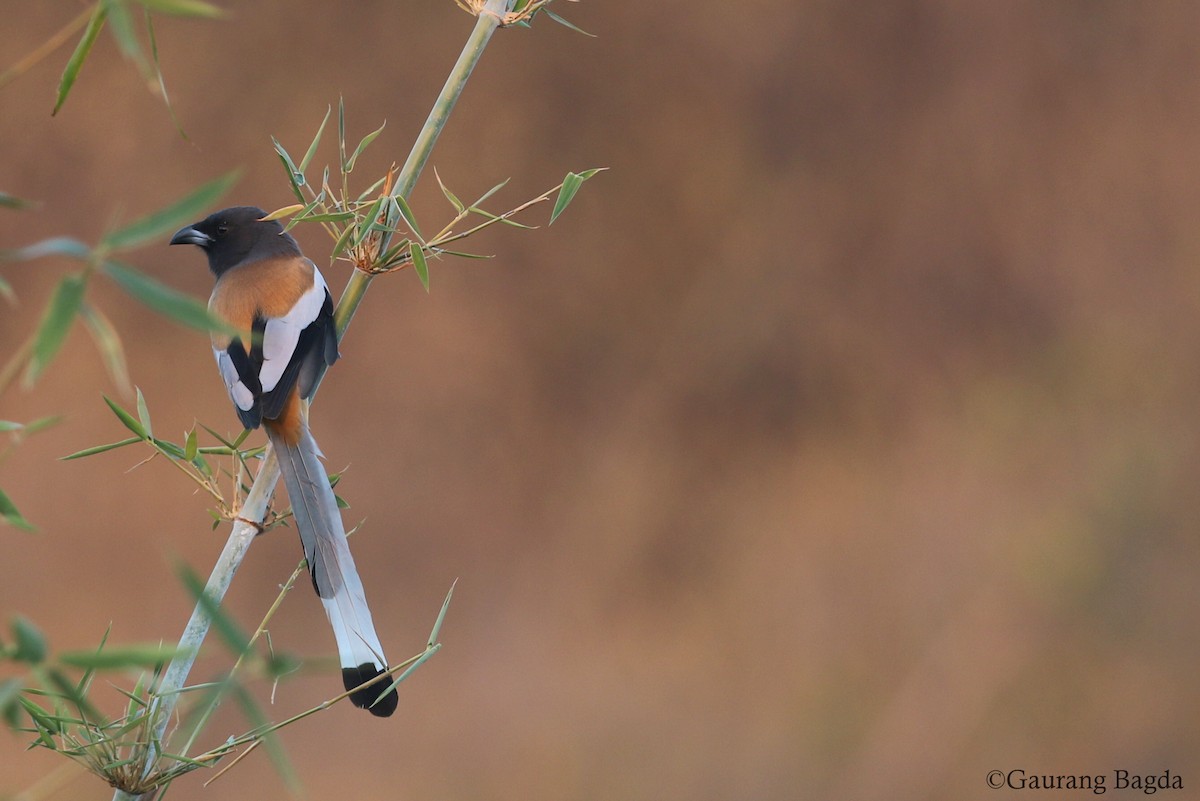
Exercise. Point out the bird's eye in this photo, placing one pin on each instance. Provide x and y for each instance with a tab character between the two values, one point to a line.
222	229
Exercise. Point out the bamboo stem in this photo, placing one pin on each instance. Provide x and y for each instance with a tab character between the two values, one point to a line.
255	508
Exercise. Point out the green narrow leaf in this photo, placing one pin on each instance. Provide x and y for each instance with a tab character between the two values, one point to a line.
129	656
570	186
275	750
144	413
222	623
108	342
286	211
122	29
362	145
454	201
7	292
225	626
9	425
158	74
312	148
342	133
301	215
31	644
372	189
100	449
184	8
11	515
419	264
295	177
9	688
8	201
190	446
42	423
407	213
85	681
562	21
368	224
488	194
342	241
326	216
75	62
437	624
182	308
164	221
55	246
56	323
126	418
420	660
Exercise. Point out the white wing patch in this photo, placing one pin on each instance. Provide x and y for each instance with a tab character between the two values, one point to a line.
282	333
239	393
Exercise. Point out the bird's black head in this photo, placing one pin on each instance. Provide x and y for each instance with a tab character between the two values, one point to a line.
236	236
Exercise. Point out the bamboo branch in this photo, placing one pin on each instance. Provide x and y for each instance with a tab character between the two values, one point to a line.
255	508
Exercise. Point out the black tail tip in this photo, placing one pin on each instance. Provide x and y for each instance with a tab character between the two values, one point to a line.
366	697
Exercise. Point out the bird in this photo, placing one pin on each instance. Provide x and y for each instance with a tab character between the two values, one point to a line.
267	290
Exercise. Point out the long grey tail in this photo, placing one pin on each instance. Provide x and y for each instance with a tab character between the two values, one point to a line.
334	576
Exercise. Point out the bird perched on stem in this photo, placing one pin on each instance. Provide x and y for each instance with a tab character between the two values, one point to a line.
278	299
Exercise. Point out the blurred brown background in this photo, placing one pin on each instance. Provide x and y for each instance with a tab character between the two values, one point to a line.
841	442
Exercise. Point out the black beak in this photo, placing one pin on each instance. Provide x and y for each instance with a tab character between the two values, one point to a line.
188	235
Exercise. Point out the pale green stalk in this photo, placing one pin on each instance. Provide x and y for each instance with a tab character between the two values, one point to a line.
255	507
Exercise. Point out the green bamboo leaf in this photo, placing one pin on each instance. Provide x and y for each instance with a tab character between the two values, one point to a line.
182	308
286	211
570	186
500	218
343	240
9	425
419	264
562	21
56	323
100	449
7	292
9	689
184	8
55	246
326	216
85	681
224	625
407	213
158	75
167	447
120	658
108	342
489	193
11	515
71	694
164	221
312	148
42	423
190	446
454	201
8	201
120	25
363	144
126	418
437	624
144	413
301	215
275	750
75	62
294	174
372	189
342	133
368	224
30	643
